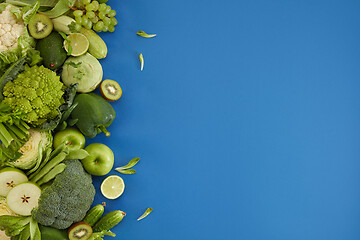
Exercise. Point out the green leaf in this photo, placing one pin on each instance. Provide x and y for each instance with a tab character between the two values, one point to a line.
141	57
132	163
74	27
145	214
145	35
60	8
126	171
63	35
73	64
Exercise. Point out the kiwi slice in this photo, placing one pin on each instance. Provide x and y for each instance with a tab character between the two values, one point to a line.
40	26
80	231
110	90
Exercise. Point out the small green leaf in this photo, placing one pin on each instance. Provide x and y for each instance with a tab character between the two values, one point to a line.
74	27
147	212
126	171
132	163
74	65
145	35
141	57
68	42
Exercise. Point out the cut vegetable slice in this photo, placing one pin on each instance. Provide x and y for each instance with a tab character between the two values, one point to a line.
112	187
9	178
78	44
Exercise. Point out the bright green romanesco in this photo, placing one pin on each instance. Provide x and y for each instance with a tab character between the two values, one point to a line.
37	92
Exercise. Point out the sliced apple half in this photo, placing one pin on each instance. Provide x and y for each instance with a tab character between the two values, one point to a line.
23	198
9	178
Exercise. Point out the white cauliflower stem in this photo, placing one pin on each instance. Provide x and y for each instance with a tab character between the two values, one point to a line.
10	29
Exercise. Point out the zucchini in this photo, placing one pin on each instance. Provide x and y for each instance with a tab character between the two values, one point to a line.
94	214
97	46
109	221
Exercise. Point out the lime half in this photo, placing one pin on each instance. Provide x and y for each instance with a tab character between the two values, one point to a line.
78	42
112	187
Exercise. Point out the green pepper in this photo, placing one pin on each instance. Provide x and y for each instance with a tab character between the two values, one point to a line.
49	233
92	115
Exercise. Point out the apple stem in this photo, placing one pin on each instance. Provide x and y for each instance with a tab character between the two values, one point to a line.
104	130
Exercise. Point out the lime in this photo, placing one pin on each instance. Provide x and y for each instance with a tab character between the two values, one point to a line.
78	42
112	187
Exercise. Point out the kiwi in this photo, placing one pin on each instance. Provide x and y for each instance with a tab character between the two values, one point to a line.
80	231
110	90
40	26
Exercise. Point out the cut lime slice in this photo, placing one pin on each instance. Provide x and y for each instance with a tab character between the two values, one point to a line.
78	42
112	187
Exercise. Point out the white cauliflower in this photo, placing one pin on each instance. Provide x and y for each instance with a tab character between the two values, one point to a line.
4	210
10	29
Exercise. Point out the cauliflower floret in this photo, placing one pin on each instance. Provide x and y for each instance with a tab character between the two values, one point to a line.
10	29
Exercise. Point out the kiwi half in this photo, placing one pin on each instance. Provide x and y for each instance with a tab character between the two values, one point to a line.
110	90
40	26
80	231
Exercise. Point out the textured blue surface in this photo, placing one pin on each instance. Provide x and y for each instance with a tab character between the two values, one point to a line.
246	118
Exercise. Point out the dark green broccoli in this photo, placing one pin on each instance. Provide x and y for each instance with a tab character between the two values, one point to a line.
67	199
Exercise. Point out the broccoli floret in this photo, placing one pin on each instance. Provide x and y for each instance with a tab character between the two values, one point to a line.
38	92
67	199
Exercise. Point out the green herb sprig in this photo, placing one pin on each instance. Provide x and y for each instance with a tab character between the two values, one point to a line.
127	168
145	214
145	35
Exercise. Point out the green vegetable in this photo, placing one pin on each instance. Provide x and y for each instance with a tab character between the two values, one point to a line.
32	150
147	212
141	58
35	233
145	35
49	233
43	3
37	92
93	114
60	8
97	46
94	214
52	173
25	234
100	235
67	199
109	221
66	25
85	70
126	169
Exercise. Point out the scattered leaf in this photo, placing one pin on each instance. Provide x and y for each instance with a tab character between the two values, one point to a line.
126	171
141	61
145	35
147	212
132	163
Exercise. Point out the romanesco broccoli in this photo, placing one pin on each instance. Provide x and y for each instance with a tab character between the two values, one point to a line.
37	92
67	199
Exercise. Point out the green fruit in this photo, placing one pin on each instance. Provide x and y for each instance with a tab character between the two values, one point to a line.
94	214
52	51
9	178
109	221
80	231
72	137
97	46
100	160
40	26
23	198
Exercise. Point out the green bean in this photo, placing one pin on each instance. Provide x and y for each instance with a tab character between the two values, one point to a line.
52	173
51	164
77	154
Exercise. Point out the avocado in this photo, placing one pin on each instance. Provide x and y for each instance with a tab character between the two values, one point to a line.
52	51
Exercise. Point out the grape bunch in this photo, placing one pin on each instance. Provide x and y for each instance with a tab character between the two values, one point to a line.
98	16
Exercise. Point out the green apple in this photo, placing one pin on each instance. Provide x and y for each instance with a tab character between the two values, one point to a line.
9	178
100	160
72	137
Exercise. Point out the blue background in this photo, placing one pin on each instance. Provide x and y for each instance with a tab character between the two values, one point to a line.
246	118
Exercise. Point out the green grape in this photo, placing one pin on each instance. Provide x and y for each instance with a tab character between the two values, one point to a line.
78	20
107	21
102	15
86	2
89	7
102	7
94	20
112	13
96	5
78	13
88	25
108	9
100	25
84	20
111	28
114	22
90	14
105	28
96	28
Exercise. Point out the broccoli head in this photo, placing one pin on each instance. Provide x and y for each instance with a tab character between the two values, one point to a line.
38	92
67	199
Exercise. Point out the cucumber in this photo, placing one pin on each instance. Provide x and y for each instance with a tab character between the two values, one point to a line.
66	25
109	221
97	46
94	214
